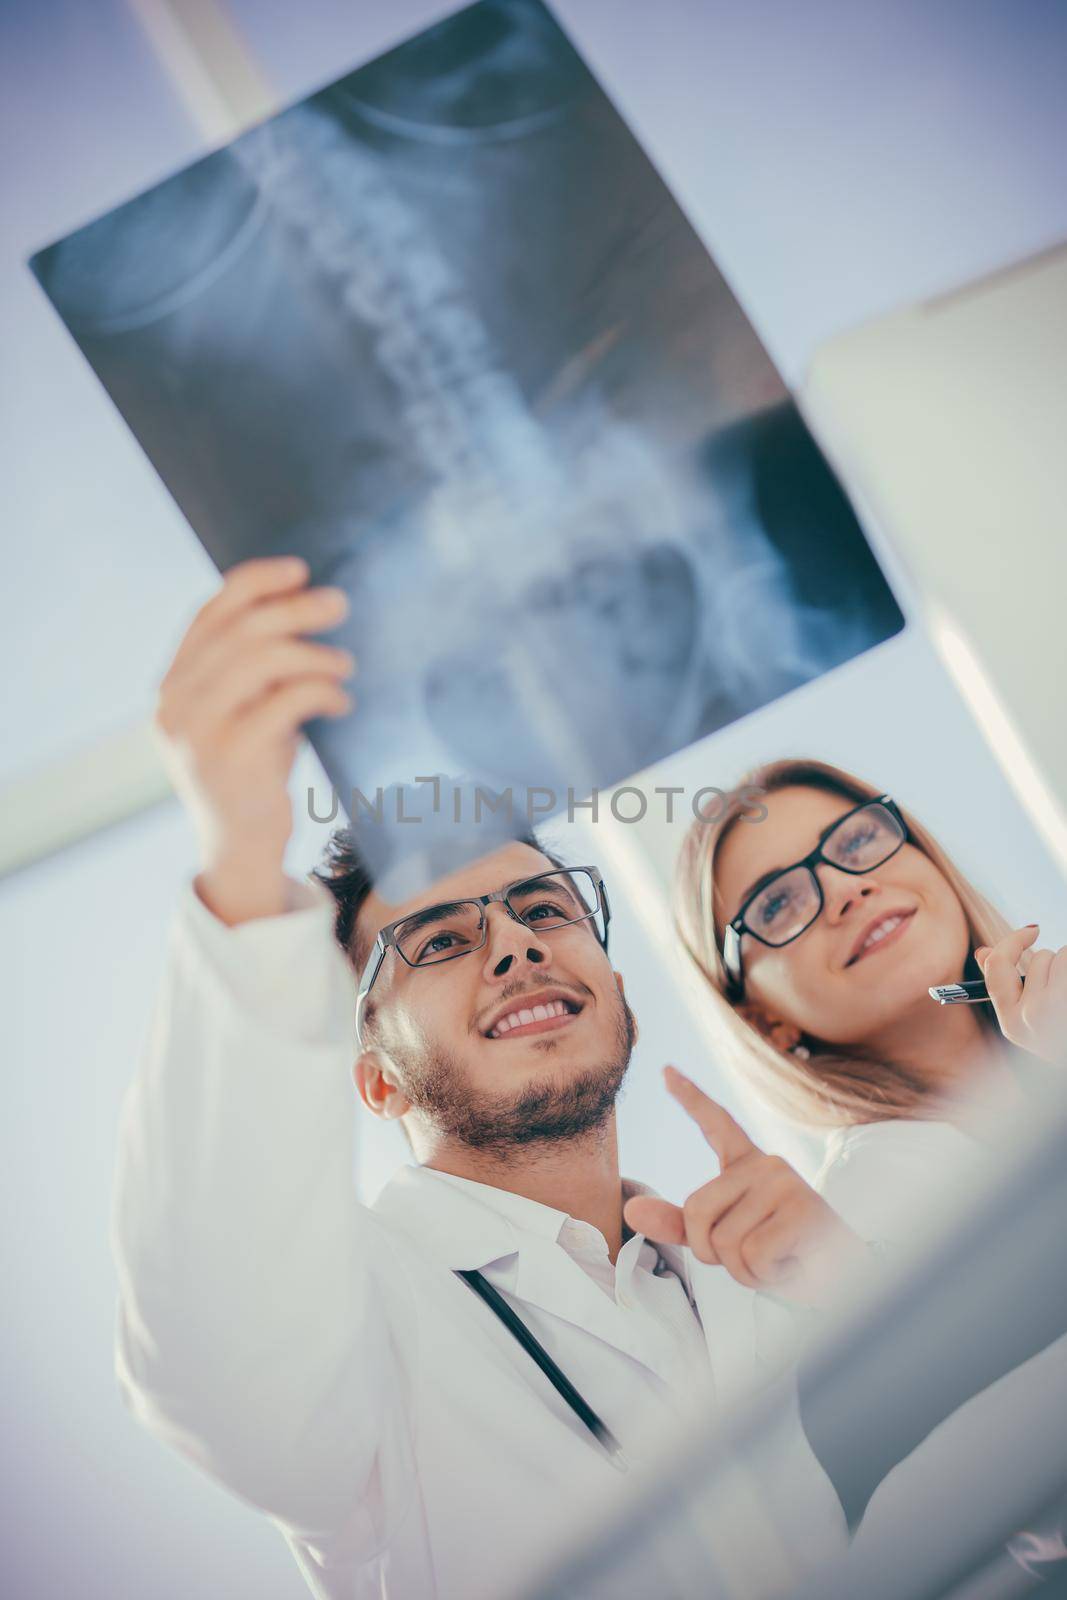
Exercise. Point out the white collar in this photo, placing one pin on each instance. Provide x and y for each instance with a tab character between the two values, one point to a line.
532	1216
467	1224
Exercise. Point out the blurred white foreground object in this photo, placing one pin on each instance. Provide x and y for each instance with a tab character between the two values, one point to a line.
948	425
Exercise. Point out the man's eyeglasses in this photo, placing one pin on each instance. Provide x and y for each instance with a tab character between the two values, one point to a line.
785	903
457	928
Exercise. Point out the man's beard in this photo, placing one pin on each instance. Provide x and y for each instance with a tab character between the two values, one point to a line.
545	1112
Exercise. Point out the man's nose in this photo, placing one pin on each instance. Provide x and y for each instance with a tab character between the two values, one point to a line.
510	945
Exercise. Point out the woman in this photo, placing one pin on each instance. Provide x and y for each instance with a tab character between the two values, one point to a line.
821	912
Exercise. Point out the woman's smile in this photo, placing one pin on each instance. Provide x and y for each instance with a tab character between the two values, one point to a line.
886	929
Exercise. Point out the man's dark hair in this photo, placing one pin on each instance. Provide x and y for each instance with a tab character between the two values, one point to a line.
345	873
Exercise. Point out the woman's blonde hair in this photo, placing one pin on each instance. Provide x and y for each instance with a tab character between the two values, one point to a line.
834	1084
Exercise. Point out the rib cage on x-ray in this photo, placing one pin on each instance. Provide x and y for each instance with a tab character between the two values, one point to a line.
477	367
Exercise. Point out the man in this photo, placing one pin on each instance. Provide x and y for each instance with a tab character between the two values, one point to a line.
327	1361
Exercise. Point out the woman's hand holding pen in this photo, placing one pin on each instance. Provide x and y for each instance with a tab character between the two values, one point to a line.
1032	1015
758	1218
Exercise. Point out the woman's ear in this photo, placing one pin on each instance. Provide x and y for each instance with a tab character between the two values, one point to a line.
784	1036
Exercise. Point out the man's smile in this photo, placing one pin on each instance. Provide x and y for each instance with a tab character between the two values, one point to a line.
539	1012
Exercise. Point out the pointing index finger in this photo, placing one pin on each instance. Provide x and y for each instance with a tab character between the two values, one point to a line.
726	1137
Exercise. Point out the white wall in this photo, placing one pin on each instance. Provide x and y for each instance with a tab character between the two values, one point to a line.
841	159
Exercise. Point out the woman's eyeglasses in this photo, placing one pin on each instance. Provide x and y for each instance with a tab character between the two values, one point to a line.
785	902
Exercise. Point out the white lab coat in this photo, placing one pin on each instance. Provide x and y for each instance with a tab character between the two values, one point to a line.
319	1357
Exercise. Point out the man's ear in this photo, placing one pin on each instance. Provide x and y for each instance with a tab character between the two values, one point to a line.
622	990
783	1035
375	1080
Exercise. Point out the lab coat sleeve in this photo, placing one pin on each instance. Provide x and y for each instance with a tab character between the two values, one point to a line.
252	1334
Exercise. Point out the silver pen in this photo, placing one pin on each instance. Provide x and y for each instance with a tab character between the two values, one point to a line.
960	994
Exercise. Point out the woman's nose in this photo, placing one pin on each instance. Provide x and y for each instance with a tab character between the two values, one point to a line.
842	890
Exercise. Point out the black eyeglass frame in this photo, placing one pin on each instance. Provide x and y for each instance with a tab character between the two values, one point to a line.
731	940
386	939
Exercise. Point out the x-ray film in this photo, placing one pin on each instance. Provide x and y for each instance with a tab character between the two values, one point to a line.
442	329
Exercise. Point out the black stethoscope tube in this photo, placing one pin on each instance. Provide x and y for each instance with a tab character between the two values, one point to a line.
559	1381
